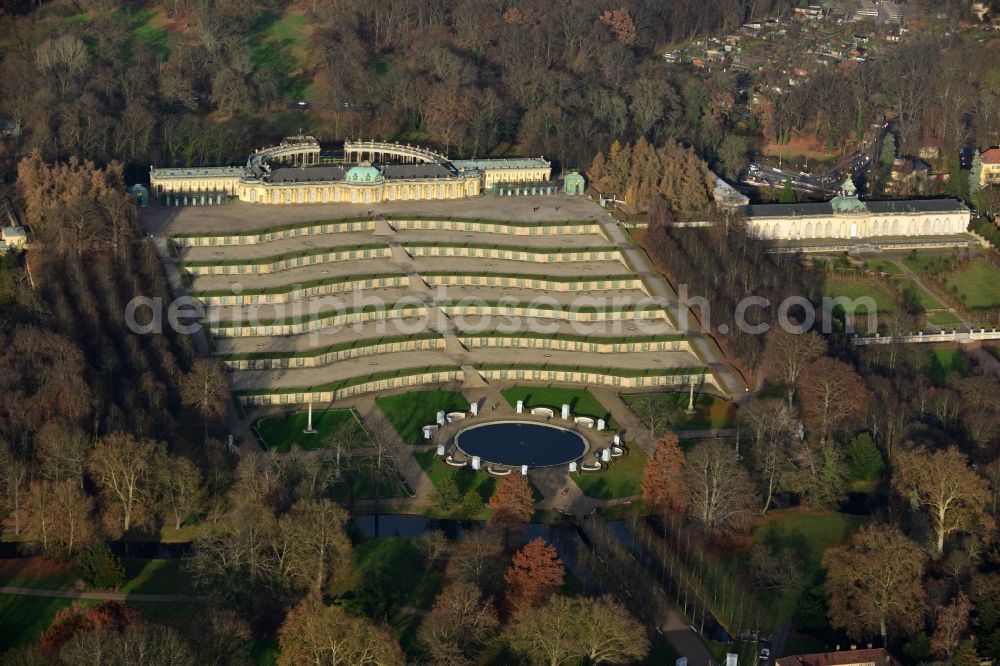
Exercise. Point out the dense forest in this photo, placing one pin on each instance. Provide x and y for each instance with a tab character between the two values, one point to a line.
178	83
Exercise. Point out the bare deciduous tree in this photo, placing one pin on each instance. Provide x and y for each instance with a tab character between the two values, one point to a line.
206	388
720	494
874	582
954	496
123	467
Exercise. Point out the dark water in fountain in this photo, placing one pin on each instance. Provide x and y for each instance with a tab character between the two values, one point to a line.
516	444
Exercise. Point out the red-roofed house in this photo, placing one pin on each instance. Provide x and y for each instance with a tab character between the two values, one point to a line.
989	171
869	657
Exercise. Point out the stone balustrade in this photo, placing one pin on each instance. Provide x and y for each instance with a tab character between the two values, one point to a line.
962	337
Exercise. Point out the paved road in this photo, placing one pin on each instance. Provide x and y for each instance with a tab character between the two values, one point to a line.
102	596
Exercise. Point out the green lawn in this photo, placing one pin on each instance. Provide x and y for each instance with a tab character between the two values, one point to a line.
155	577
263	651
978	285
281	44
364	488
944	318
398	562
282	433
465	478
145	576
409	412
926	300
36	572
150	27
622	479
23	619
928	263
854	288
883	266
581	401
808	534
711	412
943	362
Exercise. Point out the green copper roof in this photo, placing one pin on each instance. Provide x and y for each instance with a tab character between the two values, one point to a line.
363	173
844	204
847	201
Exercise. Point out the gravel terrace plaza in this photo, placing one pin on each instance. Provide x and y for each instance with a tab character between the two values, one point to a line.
489	290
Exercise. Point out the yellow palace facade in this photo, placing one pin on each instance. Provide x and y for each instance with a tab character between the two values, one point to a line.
294	173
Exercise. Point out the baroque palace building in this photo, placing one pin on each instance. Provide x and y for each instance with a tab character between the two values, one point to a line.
293	172
848	217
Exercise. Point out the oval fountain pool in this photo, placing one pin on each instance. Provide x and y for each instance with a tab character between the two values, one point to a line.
517	443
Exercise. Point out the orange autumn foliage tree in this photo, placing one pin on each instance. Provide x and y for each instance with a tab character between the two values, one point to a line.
512	503
662	485
536	572
73	620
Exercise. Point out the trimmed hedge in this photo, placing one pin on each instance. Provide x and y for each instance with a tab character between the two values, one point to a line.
276	258
319	351
352	381
620	372
283	289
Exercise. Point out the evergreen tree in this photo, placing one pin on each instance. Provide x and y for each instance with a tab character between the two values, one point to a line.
787	193
976	173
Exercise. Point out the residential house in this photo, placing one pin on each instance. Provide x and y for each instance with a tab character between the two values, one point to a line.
852	657
14	237
988	168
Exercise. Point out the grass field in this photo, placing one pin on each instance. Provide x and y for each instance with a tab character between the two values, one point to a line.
622	479
581	401
364	488
928	263
144	576
926	300
853	288
263	651
808	534
155	577
465	478
409	412
36	572
978	285
150	27
396	562
883	266
23	619
943	318
710	411
943	362
281	45
283	433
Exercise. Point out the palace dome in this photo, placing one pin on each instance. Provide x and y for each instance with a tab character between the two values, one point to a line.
364	173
